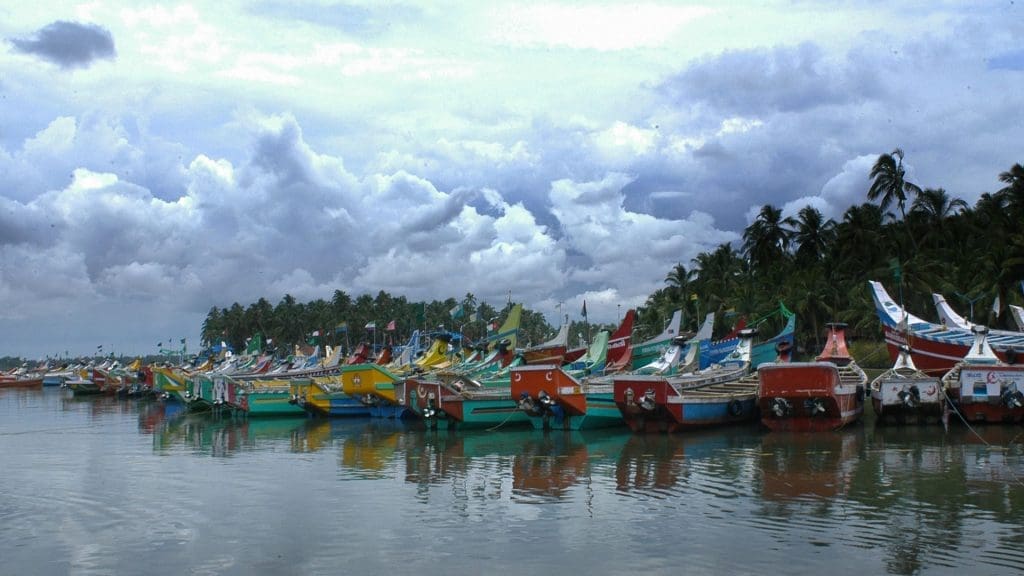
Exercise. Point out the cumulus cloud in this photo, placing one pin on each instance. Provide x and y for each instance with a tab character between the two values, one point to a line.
785	78
69	44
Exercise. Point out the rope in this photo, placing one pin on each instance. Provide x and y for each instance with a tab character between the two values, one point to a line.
503	422
951	406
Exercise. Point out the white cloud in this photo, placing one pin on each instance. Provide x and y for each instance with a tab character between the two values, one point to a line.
595	26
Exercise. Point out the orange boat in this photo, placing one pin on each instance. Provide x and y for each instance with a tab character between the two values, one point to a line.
825	394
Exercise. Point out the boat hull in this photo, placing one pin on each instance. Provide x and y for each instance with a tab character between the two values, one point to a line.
986	393
908	400
653	404
808	397
444	409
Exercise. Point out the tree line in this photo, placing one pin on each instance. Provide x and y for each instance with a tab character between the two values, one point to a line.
916	241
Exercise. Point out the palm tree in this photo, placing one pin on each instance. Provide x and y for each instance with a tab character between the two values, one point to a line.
813	235
1013	193
889	184
766	240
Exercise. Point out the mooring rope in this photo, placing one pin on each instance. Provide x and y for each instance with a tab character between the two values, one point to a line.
951	406
503	422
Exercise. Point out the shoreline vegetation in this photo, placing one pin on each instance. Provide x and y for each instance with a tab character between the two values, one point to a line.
918	241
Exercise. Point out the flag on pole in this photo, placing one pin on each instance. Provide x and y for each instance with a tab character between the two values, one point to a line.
343	327
391	326
371	326
474	316
693	296
315	333
456	312
584	309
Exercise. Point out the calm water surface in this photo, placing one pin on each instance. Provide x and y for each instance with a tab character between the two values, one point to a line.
106	486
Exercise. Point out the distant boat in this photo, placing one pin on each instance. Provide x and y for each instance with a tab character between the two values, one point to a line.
650	350
712	352
550	352
558	397
825	394
985	388
935	348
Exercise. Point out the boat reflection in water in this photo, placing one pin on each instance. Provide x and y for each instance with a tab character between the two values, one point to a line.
529	465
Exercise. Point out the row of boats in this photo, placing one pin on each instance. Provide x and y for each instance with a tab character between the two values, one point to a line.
671	382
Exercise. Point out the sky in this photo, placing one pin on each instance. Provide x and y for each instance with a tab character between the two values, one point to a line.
159	159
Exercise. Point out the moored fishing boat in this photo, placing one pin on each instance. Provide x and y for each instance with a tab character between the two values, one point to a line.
825	394
712	352
984	388
714	395
26	381
650	350
556	397
905	394
323	396
560	398
935	348
550	352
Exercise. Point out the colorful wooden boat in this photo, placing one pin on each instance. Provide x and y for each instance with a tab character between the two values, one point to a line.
22	382
462	404
374	386
984	388
713	352
935	348
573	405
714	395
564	398
650	350
323	396
825	394
904	394
550	352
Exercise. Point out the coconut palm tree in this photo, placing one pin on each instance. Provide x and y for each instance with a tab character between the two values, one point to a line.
813	236
889	184
766	240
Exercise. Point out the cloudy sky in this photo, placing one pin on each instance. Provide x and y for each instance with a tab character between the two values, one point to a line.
159	159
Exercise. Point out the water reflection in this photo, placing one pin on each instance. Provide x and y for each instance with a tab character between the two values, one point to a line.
900	500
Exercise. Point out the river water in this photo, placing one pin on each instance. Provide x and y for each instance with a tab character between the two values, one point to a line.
107	486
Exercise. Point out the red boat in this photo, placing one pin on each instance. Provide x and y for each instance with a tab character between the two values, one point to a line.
982	387
825	394
620	347
21	382
935	348
715	395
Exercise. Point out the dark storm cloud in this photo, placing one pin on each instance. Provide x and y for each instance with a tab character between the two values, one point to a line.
355	20
68	44
781	79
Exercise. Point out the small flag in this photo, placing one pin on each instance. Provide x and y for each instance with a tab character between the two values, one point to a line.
315	333
694	296
456	312
474	316
182	340
343	327
894	266
584	309
371	326
391	326
160	345
996	307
